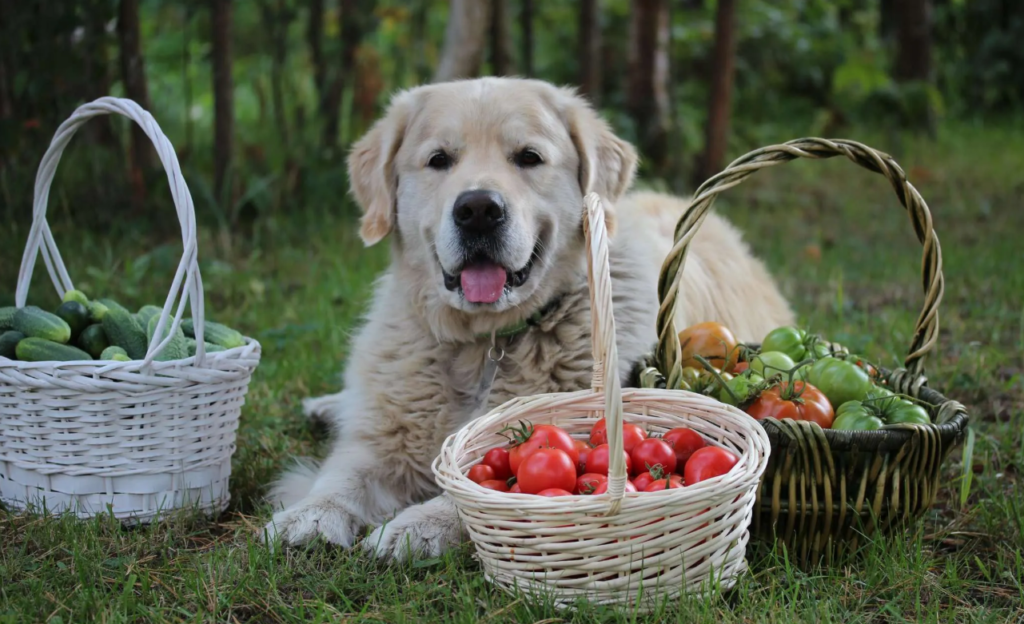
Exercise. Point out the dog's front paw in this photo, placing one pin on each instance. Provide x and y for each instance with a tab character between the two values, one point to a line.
425	530
311	518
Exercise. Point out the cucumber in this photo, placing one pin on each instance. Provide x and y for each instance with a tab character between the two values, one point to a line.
76	295
111	305
34	349
210	348
75	315
216	333
37	323
120	357
110	352
7	317
176	349
8	341
93	340
97	311
147	312
124	331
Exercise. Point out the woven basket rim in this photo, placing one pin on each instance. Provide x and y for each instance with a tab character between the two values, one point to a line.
133	366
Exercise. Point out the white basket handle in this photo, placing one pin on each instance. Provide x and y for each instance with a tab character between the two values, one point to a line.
606	353
40	238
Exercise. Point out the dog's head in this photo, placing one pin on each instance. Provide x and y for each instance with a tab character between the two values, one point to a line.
482	182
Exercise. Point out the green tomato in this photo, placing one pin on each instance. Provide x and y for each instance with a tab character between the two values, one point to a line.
855	416
881	398
907	412
742	386
788	340
819	350
840	381
773	362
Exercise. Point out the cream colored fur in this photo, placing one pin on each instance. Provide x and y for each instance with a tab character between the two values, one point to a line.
415	363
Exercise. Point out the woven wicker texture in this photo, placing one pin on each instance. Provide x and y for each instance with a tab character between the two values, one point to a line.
825	490
615	547
138	439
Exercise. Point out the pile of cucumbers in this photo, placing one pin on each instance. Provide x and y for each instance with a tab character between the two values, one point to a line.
101	329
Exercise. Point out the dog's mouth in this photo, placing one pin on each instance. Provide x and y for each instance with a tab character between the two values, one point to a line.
482	280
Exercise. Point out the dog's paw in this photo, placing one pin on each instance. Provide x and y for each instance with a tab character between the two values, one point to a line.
425	530
319	517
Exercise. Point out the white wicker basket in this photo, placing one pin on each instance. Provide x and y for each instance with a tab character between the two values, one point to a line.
137	439
612	548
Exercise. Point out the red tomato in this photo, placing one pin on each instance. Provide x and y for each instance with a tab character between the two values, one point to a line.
654	452
584	449
644	479
708	462
546	468
631	435
778	402
663	484
480	473
711	340
587	483
554	492
684	442
497	459
601	489
740	367
543	436
494	484
597	461
515	489
599	433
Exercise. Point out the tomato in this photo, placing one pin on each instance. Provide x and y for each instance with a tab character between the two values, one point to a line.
742	387
598	460
631	434
862	363
554	492
769	363
708	462
497	459
856	416
546	468
713	341
601	489
480	473
778	402
740	367
788	340
541	436
584	450
663	484
654	452
839	380
691	375
684	442
495	484
515	489
646	478
587	483
907	412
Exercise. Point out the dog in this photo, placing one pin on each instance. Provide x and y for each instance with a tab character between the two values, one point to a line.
480	185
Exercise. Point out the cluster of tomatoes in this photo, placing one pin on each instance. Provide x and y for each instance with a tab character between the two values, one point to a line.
545	460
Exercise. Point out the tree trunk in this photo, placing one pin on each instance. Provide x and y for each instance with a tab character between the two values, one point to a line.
223	99
526	24
133	74
96	70
914	41
887	19
315	41
276	20
648	66
355	23
502	63
464	39
720	105
590	49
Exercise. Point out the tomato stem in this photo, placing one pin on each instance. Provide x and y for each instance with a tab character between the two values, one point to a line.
711	369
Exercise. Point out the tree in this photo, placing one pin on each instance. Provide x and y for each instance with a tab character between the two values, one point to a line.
913	41
277	16
464	39
223	96
133	75
720	104
590	49
526	25
502	62
648	66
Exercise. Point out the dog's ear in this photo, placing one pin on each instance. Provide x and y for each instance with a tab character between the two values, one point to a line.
371	170
607	163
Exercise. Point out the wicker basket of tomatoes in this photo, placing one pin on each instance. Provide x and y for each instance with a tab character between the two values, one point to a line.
856	449
574	523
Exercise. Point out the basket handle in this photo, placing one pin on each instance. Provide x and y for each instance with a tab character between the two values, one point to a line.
41	239
668	354
606	354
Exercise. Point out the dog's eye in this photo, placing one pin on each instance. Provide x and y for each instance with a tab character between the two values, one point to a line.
528	158
440	161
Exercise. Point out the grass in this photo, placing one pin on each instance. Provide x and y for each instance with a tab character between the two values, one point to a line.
844	253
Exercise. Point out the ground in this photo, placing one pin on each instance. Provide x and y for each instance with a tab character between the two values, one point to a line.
844	252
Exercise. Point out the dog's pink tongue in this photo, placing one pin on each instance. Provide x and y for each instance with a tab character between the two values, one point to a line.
483	283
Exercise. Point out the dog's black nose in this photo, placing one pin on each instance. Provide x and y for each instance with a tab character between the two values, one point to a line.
479	212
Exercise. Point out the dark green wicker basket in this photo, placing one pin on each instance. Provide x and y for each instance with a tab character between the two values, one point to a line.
825	491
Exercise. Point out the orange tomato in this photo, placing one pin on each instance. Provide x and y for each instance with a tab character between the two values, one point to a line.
713	341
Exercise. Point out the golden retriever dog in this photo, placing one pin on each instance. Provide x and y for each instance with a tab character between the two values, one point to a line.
480	186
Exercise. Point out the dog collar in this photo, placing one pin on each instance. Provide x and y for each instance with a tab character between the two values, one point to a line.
531	321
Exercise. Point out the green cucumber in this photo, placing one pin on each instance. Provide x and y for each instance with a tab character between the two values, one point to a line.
120	357
8	341
176	349
34	349
215	333
36	323
75	315
7	317
93	340
76	295
210	348
124	331
147	312
110	352
111	305
97	311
